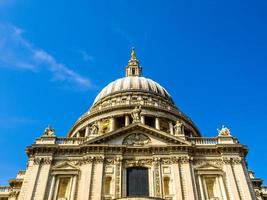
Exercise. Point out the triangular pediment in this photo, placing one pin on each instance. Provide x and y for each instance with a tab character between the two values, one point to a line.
207	166
136	134
65	166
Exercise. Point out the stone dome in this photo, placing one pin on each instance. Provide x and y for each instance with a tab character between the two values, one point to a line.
113	106
133	83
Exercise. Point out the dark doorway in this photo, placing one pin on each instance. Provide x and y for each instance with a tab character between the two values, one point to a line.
137	181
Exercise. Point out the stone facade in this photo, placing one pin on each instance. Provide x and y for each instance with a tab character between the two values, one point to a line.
134	125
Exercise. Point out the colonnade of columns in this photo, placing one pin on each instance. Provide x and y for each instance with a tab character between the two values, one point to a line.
127	122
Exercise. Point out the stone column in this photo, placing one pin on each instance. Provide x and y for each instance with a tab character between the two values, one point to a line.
220	180
171	128
85	181
243	185
73	188
87	131
112	124
97	179
43	178
143	119
78	134
30	179
200	184
188	184
176	179
157	123
52	187
231	181
127	120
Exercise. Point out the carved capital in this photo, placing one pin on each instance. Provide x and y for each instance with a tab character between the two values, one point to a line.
47	160
87	160
184	159
232	160
166	161
37	161
13	193
99	159
236	160
174	160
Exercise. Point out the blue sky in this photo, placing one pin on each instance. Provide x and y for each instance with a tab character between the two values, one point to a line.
55	56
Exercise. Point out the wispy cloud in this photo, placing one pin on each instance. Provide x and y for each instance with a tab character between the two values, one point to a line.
18	53
15	120
86	56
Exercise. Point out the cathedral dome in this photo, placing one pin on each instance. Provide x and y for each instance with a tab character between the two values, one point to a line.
133	83
113	106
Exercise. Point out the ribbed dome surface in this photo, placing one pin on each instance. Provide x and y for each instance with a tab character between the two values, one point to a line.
133	83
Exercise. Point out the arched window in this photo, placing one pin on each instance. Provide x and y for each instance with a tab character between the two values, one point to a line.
108	185
137	181
166	184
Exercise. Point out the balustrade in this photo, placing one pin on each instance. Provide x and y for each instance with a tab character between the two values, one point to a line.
203	141
70	141
4	189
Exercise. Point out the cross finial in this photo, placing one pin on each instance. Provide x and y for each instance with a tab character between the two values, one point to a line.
133	55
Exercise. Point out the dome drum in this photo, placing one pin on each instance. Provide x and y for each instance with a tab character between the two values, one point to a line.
118	118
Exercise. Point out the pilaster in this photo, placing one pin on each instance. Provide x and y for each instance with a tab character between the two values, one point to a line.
243	185
157	178
31	176
231	181
41	183
118	176
176	179
85	180
97	179
185	165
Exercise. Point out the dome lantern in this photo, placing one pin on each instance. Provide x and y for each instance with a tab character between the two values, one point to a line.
133	68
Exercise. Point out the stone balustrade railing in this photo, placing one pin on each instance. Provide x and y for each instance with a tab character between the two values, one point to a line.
69	141
4	189
203	141
213	140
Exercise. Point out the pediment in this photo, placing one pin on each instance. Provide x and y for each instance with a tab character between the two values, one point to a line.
64	166
207	166
138	135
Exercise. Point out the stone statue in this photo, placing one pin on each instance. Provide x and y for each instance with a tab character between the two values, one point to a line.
49	131
178	128
224	131
93	129
136	114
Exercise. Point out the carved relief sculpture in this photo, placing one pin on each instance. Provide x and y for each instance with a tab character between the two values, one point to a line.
136	139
